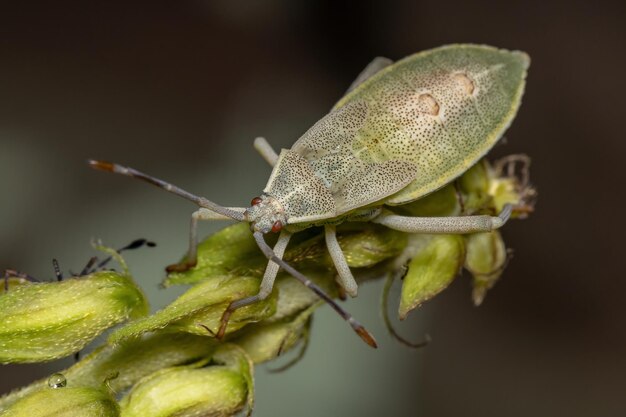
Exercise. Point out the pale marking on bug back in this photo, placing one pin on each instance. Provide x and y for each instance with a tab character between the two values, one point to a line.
465	82
426	103
476	100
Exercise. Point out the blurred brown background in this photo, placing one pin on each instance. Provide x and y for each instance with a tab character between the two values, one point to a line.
180	89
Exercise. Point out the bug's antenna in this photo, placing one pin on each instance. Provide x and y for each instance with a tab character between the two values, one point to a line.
132	245
87	269
200	201
57	270
91	266
356	326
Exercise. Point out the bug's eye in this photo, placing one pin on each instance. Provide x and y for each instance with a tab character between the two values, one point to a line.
277	226
255	201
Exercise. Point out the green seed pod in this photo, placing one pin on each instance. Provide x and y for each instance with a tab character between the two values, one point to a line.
266	342
199	310
363	245
59	401
295	297
229	252
433	268
46	321
509	183
131	360
221	389
444	202
504	191
474	187
232	251
486	259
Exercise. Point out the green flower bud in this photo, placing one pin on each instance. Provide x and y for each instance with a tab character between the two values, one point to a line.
474	187
486	259
233	252
230	252
131	360
363	245
444	202
200	309
295	297
267	341
59	401
46	321
510	184
221	388
437	262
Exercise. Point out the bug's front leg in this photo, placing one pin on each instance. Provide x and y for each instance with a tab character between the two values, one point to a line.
372	68
344	275
456	225
192	253
265	289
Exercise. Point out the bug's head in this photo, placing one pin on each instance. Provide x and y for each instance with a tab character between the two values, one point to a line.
266	214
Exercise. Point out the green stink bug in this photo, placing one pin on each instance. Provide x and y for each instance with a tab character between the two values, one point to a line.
403	130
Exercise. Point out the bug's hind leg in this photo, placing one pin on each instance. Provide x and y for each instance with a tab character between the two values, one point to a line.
457	225
265	149
372	68
267	284
344	277
192	253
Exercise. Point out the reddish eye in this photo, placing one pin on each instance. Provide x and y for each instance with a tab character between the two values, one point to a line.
255	201
277	226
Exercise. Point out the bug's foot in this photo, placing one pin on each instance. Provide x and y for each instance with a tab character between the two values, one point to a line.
180	267
224	323
366	336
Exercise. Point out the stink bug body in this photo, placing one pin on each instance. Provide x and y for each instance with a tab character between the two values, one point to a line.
403	130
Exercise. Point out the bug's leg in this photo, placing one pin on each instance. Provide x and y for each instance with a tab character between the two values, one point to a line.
344	278
7	275
267	284
356	326
306	333
384	306
10	273
372	68
265	149
458	225
87	269
192	252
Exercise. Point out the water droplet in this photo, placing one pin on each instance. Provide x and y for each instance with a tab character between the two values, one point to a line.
57	381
